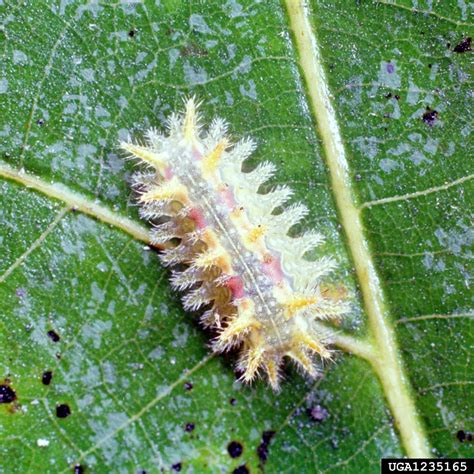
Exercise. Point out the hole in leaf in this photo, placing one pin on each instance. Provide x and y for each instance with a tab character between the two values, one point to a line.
262	450
430	117
54	336
235	449
7	394
241	470
47	376
463	46
63	410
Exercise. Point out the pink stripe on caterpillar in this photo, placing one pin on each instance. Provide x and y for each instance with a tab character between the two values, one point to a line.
198	217
236	286
168	174
228	198
272	268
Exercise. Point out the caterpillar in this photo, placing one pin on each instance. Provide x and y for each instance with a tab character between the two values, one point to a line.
229	248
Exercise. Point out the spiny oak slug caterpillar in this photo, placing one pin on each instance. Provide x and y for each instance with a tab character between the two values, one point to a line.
229	248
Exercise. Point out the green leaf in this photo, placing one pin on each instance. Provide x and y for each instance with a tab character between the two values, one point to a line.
365	108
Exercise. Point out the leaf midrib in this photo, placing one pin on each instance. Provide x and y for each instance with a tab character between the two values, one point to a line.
385	357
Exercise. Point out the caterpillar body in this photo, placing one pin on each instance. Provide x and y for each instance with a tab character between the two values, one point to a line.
229	249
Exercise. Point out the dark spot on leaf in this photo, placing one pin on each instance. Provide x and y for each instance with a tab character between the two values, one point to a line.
235	449
262	449
53	335
358	177
241	470
40	122
463	46
233	402
430	117
189	427
63	411
318	413
389	95
47	376
7	394
177	467
188	386
397	97
141	471
390	68
132	33
58	355
448	45
463	436
79	469
430	66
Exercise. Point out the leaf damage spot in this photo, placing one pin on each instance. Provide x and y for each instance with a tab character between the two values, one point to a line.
54	336
188	386
262	449
189	427
243	469
235	449
177	467
63	410
47	377
79	469
464	436
463	46
7	394
430	116
390	96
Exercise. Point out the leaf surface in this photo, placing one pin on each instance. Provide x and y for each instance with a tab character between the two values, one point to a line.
377	147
